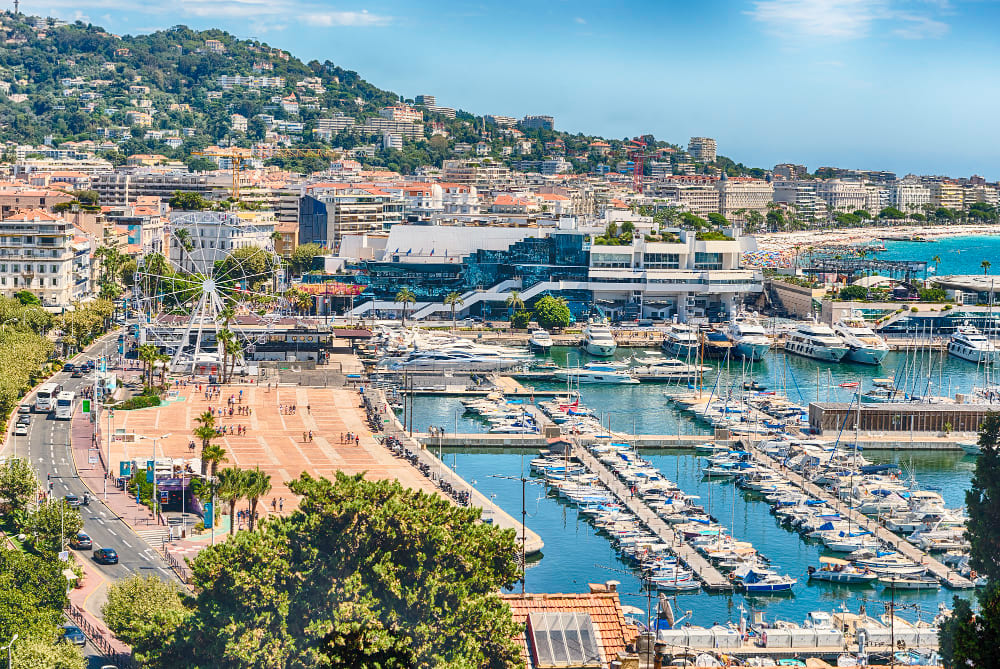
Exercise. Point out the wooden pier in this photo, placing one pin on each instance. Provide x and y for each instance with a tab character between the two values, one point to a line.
709	576
945	574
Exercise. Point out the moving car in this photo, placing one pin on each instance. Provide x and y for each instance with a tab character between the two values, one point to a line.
73	501
68	367
74	635
21	430
77	373
24	418
24	408
106	556
81	541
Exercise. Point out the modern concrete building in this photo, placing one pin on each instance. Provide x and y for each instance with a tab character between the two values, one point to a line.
213	235
702	149
120	188
328	211
538	123
948	194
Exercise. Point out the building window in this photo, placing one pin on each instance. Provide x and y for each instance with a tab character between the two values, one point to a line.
55	269
661	260
610	260
707	260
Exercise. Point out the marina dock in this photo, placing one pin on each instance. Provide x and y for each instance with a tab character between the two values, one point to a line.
710	577
943	573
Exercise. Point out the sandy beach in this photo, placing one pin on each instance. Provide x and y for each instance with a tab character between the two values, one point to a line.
778	249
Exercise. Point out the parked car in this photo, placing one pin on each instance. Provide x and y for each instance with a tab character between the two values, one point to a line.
74	635
81	542
21	430
106	556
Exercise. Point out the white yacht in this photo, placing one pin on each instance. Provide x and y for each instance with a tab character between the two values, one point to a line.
598	340
813	340
596	372
681	341
749	338
658	367
540	341
968	343
865	346
457	354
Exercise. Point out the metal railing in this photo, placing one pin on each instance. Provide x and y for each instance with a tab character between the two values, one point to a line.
100	640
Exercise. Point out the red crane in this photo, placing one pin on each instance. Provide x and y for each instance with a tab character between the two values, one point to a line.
637	154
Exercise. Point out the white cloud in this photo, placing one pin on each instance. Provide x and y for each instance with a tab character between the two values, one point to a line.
848	19
580	20
332	19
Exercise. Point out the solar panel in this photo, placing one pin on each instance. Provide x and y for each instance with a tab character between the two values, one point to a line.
563	639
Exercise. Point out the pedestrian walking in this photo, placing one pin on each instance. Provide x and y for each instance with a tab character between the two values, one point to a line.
304	437
274	504
357	441
281	504
310	435
309	410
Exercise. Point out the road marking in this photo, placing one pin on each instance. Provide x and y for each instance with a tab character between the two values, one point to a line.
100	520
112	532
144	556
126	543
101	512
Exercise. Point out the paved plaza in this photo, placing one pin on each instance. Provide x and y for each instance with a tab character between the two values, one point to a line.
274	435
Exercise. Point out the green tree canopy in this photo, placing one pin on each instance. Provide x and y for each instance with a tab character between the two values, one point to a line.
853	293
248	267
51	524
363	574
189	201
302	258
32	595
143	611
18	484
552	312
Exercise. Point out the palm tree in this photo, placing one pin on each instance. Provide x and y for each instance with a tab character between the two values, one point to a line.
183	236
405	296
148	354
227	342
986	266
231	489
164	361
258	485
514	302
213	455
206	432
454	300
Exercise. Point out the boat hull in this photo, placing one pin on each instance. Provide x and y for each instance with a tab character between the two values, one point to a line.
867	356
750	350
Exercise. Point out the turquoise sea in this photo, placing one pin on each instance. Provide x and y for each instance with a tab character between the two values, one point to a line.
959	255
576	555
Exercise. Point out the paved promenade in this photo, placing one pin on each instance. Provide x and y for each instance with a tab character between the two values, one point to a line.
276	438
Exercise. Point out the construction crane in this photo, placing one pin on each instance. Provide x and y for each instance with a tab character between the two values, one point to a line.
237	156
637	154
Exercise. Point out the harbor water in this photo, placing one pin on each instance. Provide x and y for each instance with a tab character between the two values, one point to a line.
575	554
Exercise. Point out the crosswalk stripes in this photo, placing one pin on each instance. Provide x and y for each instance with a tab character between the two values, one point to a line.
153	536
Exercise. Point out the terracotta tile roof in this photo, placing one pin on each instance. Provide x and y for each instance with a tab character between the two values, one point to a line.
604	608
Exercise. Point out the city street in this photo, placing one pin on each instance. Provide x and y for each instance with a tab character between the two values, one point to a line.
48	447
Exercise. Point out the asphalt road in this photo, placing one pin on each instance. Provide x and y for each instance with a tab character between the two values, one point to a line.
48	445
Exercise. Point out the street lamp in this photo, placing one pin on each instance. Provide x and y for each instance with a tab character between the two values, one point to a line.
9	646
152	501
107	463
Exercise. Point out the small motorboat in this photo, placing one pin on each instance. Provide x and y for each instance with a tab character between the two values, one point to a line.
835	570
912	582
540	341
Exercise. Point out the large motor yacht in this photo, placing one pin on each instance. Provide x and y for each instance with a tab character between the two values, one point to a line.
598	340
748	336
457	354
816	341
540	341
681	341
596	372
968	343
864	345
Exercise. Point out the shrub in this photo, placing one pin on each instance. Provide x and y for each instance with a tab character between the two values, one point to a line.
140	402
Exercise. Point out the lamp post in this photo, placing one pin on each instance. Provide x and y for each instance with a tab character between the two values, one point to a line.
9	652
152	501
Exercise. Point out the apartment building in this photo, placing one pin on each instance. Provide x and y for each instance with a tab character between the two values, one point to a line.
538	123
843	195
14	199
288	239
980	193
328	211
702	149
483	174
947	194
789	171
501	121
41	252
801	195
376	125
699	199
739	193
402	113
122	188
426	100
228	81
214	235
909	196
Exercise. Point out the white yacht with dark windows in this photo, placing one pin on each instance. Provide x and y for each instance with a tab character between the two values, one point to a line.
598	340
540	341
681	340
816	341
865	346
748	336
968	343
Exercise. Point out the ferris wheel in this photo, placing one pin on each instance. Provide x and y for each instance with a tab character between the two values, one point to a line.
216	271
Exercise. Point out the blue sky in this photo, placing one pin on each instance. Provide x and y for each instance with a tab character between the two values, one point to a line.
903	85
